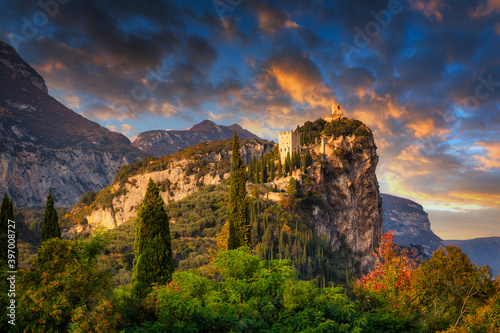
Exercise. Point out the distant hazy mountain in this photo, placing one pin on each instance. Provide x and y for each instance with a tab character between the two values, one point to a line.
409	222
46	146
161	143
481	251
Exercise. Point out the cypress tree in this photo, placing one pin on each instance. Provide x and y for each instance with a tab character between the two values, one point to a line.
50	224
238	213
271	167
152	245
264	175
6	214
280	169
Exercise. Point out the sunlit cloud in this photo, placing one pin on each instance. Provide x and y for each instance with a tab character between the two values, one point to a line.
426	128
492	158
486	8
430	8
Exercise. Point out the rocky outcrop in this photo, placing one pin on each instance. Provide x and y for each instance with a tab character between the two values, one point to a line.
162	143
175	183
46	146
410	223
350	211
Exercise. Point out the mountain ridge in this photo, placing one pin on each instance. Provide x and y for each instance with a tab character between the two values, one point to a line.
168	142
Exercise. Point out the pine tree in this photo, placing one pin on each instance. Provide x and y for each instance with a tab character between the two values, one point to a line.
50	225
152	245
238	212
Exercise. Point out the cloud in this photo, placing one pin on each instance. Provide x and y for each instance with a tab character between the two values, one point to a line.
273	20
298	77
486	8
492	158
430	8
425	128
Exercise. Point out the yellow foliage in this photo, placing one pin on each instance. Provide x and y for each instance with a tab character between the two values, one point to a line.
222	238
286	229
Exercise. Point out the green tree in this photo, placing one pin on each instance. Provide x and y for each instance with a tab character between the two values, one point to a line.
50	225
64	279
152	245
6	214
280	168
264	174
238	213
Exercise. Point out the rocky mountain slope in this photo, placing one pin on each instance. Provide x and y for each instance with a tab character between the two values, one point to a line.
161	143
178	176
46	146
481	251
410	223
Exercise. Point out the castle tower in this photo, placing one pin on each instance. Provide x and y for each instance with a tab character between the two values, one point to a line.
336	113
289	142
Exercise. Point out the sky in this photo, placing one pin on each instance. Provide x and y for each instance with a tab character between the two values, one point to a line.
423	75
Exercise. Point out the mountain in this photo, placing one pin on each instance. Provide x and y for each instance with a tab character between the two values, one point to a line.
481	251
162	143
46	146
410	223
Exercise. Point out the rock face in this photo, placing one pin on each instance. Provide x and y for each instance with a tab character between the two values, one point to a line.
481	251
410	223
350	213
175	183
45	146
162	143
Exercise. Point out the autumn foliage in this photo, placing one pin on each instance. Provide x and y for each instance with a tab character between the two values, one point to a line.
445	293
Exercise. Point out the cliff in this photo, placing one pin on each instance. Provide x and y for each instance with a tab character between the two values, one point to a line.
161	143
350	210
46	146
410	223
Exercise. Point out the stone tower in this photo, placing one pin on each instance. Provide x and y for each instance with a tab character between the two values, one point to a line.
336	113
289	142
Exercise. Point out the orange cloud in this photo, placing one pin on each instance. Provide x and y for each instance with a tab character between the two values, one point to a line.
300	86
486	8
430	8
426	128
492	158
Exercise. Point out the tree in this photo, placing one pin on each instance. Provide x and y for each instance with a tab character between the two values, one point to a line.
280	168
238	213
6	214
64	280
264	174
50	224
449	286
152	245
